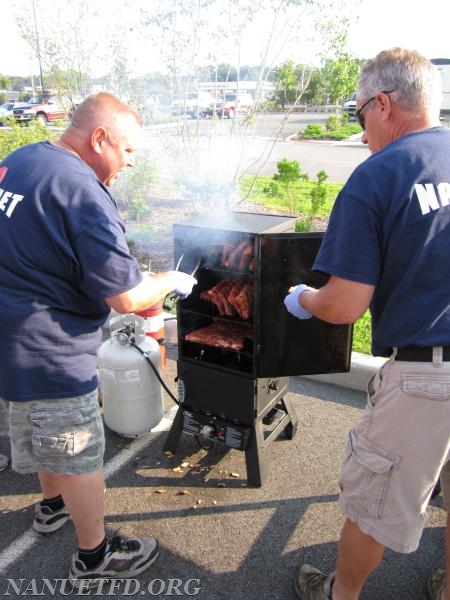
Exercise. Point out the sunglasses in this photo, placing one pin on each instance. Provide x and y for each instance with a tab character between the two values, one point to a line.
358	114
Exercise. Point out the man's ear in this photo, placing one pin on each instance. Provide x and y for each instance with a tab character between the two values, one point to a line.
99	138
385	105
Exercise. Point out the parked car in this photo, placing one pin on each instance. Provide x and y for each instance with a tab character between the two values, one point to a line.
349	106
6	110
44	109
194	105
231	104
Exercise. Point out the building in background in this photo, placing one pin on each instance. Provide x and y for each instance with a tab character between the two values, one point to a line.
443	66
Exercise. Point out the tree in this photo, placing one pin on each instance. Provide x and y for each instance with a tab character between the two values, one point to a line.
186	35
4	83
317	91
285	78
340	70
192	33
69	49
341	76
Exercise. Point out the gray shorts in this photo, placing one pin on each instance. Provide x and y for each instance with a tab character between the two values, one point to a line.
63	435
397	450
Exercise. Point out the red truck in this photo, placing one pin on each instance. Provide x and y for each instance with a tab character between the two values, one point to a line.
44	109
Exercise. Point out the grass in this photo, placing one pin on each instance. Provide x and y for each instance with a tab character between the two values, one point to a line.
362	334
295	199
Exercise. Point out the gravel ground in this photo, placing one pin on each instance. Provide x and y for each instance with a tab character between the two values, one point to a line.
151	241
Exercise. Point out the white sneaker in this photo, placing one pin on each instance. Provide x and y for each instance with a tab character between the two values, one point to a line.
4	461
124	557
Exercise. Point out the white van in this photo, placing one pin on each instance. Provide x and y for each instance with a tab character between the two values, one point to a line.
443	66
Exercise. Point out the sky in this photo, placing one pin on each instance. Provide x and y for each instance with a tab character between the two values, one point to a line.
381	24
387	23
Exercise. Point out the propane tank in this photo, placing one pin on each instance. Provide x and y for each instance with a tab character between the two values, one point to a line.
131	391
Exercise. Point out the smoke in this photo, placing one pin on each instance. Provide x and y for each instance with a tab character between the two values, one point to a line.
208	174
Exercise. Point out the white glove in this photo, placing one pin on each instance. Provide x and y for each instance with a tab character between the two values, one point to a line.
291	302
183	283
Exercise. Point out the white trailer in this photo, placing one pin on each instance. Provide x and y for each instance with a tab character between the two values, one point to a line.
443	66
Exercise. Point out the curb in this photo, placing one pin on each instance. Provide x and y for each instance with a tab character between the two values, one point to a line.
362	366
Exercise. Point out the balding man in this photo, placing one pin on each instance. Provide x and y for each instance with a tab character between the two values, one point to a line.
64	264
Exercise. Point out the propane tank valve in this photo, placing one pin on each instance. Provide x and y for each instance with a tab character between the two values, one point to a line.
123	338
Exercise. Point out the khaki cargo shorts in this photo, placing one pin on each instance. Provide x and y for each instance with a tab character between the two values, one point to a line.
396	452
63	435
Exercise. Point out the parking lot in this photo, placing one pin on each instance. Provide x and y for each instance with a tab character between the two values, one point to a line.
221	539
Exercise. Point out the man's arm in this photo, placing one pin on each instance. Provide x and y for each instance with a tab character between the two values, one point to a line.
151	290
339	301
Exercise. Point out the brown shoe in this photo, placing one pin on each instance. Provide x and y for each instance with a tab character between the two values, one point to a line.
312	584
436	584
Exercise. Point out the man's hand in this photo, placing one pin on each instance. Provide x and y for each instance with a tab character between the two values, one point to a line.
183	283
292	302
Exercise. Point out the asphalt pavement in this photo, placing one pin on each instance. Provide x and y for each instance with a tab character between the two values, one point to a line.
221	538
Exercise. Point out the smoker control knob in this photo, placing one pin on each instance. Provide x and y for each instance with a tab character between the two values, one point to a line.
206	430
273	385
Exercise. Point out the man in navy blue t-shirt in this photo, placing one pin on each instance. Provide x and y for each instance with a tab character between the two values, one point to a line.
64	265
387	247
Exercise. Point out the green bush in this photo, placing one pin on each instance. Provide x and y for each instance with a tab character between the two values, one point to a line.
289	171
272	189
284	184
303	224
319	193
313	131
17	135
138	209
333	123
344	132
130	190
334	130
264	190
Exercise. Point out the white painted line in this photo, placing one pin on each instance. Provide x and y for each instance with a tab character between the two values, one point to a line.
17	548
26	541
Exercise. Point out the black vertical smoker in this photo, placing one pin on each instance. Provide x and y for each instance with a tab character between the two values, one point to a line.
237	344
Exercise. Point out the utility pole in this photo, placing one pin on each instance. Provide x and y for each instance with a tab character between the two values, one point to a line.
38	47
30	62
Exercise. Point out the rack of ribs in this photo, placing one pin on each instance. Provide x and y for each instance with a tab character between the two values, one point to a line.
221	334
237	256
231	297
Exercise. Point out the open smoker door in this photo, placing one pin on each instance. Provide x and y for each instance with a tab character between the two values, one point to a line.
287	345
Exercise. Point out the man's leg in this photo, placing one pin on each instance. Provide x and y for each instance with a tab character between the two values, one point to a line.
446	593
85	500
358	555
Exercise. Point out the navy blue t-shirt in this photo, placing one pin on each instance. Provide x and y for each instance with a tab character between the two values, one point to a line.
63	250
390	227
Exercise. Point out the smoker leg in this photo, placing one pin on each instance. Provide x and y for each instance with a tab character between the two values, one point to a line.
291	428
254	455
175	432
